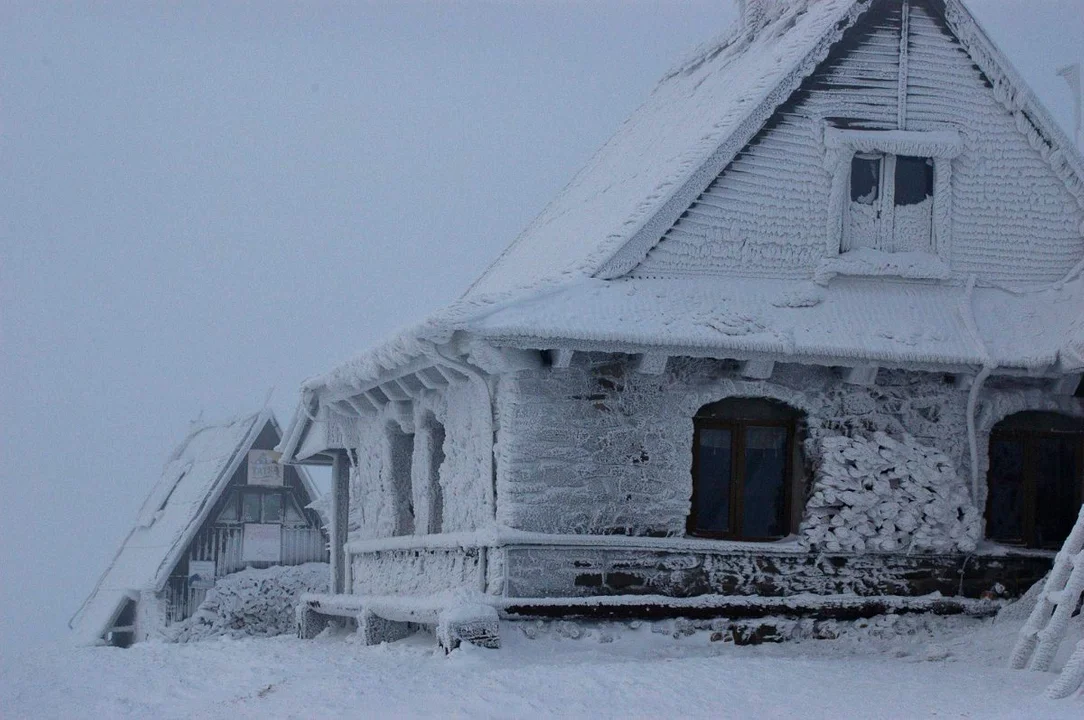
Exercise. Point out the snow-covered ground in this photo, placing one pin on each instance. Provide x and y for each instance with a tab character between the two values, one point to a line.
938	668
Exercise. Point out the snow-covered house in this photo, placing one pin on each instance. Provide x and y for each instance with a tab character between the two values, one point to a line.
223	503
811	322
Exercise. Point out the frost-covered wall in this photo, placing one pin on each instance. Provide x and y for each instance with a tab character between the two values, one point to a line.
377	510
416	572
1012	217
598	448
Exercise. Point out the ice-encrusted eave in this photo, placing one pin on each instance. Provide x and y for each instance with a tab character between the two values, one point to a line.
891	323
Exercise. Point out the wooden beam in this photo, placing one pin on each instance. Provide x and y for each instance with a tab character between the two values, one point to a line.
449	374
342	407
411	384
433	375
339	520
651	363
394	391
361	404
861	375
757	369
378	401
562	358
425	381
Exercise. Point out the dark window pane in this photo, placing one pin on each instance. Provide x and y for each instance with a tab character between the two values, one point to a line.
1005	505
865	179
713	480
765	482
250	507
1056	476
272	508
914	179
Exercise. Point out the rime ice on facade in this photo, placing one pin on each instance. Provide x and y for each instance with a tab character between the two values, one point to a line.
223	503
808	323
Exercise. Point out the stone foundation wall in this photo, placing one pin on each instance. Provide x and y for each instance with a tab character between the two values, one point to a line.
584	571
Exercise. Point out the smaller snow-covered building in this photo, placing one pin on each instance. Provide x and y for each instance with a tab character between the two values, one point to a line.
810	324
223	504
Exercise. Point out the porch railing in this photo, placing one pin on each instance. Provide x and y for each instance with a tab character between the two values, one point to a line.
223	546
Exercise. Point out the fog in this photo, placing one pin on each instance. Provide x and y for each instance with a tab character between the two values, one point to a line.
203	203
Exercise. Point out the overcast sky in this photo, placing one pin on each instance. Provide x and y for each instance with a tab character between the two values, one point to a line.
202	201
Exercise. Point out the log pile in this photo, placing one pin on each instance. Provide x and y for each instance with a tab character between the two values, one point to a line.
884	495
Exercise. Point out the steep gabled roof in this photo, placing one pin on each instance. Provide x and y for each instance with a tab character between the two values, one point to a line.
195	475
698	118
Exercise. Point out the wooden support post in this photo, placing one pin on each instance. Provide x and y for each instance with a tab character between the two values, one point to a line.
340	519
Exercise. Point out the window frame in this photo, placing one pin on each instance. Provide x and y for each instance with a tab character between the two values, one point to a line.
737	426
285	493
840	147
1030	511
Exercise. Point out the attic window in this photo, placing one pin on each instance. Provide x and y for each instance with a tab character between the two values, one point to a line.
866	179
914	180
891	206
892	190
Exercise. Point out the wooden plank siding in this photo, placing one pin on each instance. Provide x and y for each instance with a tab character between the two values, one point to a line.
766	213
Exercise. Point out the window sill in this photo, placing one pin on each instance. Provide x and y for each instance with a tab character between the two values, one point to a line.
876	263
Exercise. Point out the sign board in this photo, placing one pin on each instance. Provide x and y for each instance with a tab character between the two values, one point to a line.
262	468
262	542
201	574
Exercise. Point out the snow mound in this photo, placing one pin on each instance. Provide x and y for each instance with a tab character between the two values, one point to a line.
886	495
254	603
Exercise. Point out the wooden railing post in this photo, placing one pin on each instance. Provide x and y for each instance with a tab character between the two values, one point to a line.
340	518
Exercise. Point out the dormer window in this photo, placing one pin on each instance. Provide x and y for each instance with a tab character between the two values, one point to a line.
891	190
891	206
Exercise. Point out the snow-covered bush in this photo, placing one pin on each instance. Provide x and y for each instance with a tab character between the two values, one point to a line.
885	495
254	602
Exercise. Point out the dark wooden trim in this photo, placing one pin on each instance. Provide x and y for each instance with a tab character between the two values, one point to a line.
737	427
1030	479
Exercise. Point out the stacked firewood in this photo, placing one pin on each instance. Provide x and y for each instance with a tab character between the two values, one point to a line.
884	495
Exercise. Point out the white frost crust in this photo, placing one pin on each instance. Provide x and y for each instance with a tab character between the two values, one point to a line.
252	603
462	476
854	318
705	110
574	458
886	495
865	262
703	113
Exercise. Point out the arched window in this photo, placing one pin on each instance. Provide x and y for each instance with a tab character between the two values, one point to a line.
1036	479
743	455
